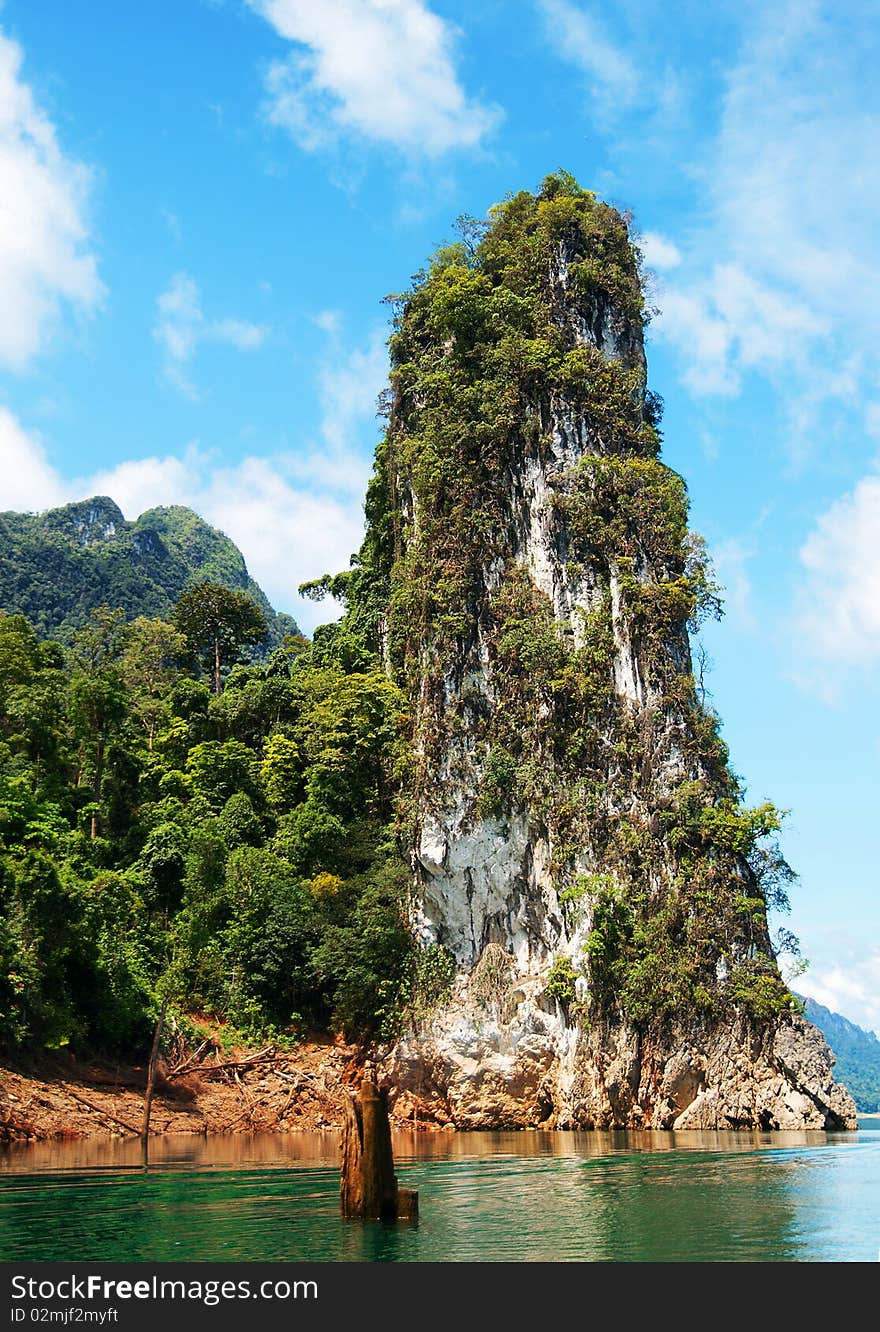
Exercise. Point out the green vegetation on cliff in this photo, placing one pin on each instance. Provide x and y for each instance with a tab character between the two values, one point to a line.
520	344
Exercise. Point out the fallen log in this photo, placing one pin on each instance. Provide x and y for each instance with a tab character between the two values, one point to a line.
233	1066
99	1110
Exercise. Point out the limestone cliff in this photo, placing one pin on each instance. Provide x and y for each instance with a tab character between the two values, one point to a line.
578	841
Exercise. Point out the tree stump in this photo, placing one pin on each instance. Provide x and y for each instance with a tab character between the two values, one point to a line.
368	1186
151	1083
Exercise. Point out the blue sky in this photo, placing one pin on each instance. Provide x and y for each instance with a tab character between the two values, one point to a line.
204	201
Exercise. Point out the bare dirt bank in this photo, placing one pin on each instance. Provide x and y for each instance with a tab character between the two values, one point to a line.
213	1091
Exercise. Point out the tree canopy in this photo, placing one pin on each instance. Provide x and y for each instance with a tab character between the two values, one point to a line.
217	623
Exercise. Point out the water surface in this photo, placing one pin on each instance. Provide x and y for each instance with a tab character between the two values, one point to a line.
530	1196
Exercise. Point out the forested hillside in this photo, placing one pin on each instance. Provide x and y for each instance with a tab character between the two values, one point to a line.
229	847
59	566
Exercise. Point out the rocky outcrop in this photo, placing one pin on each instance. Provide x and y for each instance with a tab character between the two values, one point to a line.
87	522
578	840
474	1072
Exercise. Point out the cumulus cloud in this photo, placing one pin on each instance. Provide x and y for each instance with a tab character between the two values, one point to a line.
27	479
730	322
839	617
45	256
181	328
658	251
780	268
137	484
380	70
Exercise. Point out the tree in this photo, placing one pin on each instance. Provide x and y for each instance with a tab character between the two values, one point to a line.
219	770
149	665
281	771
365	964
269	939
97	695
33	696
217	623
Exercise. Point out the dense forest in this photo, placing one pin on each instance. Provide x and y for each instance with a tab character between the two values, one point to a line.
174	822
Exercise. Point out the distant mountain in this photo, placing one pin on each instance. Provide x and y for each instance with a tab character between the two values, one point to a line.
857	1052
56	567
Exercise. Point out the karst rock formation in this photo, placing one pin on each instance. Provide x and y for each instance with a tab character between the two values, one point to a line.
578	840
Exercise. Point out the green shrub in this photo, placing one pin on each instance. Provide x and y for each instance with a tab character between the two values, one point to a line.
560	983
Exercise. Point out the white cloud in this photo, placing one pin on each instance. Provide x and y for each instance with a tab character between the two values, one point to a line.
730	322
289	534
381	70
144	483
27	479
794	206
181	327
349	382
659	252
852	989
839	615
689	320
45	259
579	38
780	269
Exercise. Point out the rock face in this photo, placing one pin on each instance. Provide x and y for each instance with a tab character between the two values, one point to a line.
87	521
476	1073
578	841
856	1051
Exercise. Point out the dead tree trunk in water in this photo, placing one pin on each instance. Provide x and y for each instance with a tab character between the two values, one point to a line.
151	1080
368	1186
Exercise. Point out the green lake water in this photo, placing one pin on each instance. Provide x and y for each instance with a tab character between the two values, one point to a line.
484	1197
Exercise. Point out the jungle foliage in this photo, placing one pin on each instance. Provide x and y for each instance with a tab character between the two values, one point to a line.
234	850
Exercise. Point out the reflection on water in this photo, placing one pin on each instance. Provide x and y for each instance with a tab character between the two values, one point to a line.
322	1148
179	1150
484	1196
